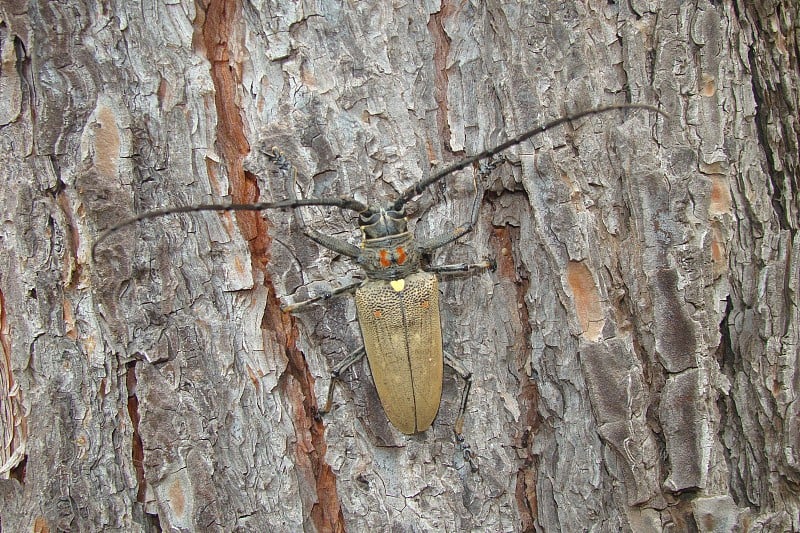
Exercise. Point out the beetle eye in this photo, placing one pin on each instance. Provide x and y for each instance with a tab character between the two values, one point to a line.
369	217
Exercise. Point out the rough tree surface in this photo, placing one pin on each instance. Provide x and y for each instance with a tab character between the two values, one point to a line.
635	354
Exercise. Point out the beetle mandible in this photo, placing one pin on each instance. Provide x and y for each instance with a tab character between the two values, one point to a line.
398	303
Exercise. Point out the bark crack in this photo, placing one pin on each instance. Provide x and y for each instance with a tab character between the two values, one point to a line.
14	424
137	448
441	51
503	242
297	384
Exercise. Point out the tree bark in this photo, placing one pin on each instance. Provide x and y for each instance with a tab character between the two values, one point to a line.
634	356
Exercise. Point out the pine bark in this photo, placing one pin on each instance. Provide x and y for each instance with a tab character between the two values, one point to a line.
634	355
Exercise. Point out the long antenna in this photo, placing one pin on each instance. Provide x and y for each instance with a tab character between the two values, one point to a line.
419	187
355	205
341	203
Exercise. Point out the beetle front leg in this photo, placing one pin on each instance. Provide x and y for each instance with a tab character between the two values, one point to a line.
439	241
332	243
289	172
348	361
458	427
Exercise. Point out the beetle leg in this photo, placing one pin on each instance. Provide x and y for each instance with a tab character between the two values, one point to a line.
291	308
439	241
289	172
348	361
332	243
487	264
458	427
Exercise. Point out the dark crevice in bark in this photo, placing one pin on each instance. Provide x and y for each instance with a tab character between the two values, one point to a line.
763	113
11	400
730	422
505	241
775	100
441	51
137	449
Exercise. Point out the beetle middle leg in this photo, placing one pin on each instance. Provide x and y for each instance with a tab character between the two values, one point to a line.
487	264
458	427
291	308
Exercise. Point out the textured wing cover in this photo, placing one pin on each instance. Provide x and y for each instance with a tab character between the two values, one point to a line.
403	338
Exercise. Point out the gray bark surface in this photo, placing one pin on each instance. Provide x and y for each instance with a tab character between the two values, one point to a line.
634	356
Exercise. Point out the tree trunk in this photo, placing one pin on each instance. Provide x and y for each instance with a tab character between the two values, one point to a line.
634	355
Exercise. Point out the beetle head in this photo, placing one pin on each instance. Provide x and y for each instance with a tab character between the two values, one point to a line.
383	221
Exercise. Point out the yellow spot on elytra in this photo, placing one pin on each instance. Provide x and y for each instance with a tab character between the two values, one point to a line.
398	284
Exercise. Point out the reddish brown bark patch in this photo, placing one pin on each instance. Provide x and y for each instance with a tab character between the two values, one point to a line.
525	492
587	300
297	384
11	405
441	50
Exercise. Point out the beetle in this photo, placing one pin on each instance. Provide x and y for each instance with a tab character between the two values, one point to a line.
397	304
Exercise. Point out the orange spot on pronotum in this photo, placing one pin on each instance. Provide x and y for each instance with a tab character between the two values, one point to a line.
426	304
383	255
377	314
401	255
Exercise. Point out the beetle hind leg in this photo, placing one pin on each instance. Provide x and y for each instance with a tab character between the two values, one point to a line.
458	427
346	363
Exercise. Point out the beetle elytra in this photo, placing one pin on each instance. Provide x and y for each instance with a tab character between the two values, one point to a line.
398	303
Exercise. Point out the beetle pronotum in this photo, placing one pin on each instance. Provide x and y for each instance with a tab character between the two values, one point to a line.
397	304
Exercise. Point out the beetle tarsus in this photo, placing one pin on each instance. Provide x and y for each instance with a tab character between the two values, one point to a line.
488	165
466	451
468	456
458	426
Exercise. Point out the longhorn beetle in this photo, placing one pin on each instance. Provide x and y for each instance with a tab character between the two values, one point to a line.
398	303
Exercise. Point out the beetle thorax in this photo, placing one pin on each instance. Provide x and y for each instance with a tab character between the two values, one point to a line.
389	258
388	250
